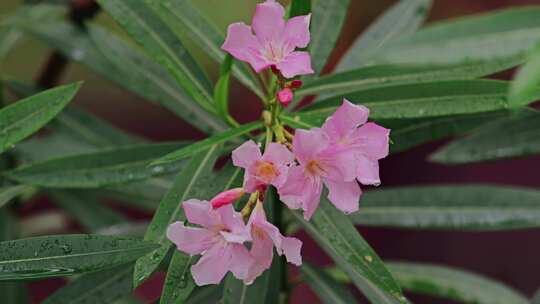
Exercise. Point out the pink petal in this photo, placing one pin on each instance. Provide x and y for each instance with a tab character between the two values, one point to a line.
278	154
262	253
190	240
339	163
244	46
374	139
268	23
291	248
313	199
250	182
296	63
307	144
212	266
345	120
241	261
232	220
344	195
297	31
292	191
282	177
200	213
246	154
367	171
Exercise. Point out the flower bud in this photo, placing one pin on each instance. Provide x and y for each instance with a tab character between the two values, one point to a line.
227	197
274	69
285	96
296	84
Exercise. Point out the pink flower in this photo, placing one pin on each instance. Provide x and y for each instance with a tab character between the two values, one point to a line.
265	237
220	241
227	197
320	163
274	41
348	128
285	96
268	169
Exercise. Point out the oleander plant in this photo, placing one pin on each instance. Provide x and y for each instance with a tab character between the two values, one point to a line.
230	211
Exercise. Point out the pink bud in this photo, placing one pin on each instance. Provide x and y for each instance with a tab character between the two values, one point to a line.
285	96
227	197
296	84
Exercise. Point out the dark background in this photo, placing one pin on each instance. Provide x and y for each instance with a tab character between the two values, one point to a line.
510	257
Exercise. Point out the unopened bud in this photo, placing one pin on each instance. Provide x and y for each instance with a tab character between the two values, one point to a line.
274	69
285	96
296	84
227	197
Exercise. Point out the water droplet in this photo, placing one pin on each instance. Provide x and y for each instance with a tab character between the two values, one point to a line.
368	258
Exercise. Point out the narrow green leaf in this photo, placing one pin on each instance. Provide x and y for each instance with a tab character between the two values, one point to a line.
527	79
12	292
337	236
455	284
195	181
179	283
327	19
391	75
100	287
221	91
468	39
299	8
422	100
8	193
328	290
160	42
206	294
514	136
186	20
26	116
456	207
62	255
98	169
205	143
403	18
87	210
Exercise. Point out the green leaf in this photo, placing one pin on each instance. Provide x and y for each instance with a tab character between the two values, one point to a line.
337	236
414	132
455	284
98	169
327	20
12	292
26	116
328	290
422	100
299	8
125	65
160	42
381	76
205	143
485	37
100	287
8	193
179	283
514	136
206	294
87	210
62	255
195	181
457	207
536	298
221	91
403	18
527	79
186	20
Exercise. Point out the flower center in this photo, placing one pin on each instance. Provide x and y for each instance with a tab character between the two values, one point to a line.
274	54
257	233
314	168
265	171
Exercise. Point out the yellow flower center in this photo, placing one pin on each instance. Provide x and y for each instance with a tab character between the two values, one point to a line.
265	170
314	168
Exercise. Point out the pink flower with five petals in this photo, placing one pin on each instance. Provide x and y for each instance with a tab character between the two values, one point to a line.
274	42
219	240
268	169
265	236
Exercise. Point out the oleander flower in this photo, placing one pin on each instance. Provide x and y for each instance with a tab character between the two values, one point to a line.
219	240
271	41
268	169
265	236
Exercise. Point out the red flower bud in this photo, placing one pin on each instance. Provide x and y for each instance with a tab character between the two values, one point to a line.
226	197
275	69
296	84
285	96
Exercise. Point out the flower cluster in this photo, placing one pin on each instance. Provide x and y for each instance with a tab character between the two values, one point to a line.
340	155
